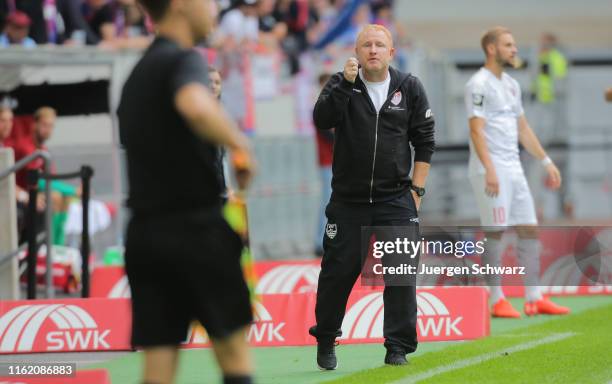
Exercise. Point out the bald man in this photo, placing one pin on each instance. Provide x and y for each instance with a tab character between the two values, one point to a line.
378	112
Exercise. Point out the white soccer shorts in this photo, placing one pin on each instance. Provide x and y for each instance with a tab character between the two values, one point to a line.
512	206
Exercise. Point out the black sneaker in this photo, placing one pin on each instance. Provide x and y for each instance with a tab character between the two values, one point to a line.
326	351
395	357
326	355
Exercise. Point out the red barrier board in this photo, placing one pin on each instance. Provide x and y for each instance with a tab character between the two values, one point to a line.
109	281
64	325
280	320
443	314
92	376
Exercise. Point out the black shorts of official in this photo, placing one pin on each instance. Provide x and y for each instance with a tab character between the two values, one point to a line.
184	267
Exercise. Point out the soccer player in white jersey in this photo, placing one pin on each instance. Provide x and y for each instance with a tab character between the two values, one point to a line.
497	125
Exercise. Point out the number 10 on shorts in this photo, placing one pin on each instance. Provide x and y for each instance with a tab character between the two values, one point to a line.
499	215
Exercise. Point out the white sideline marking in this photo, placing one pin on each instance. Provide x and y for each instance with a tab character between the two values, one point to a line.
482	358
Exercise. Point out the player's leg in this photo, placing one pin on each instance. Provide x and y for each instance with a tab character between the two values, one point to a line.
493	213
523	217
159	316
233	357
399	297
220	296
340	268
160	364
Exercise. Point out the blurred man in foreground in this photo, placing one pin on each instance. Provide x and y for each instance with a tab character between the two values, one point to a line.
170	125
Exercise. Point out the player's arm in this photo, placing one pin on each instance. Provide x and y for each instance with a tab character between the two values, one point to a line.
329	108
477	135
531	143
422	137
477	125
209	121
475	103
608	95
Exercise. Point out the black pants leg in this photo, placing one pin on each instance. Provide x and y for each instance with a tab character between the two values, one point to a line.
340	266
400	320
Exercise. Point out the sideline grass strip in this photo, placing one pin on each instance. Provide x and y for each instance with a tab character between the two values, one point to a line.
584	358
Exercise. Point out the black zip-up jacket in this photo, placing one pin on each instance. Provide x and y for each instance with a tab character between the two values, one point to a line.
372	157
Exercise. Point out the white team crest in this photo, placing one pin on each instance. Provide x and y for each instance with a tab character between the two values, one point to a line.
397	97
331	230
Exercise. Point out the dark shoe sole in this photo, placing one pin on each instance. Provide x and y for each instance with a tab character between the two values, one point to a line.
327	369
397	364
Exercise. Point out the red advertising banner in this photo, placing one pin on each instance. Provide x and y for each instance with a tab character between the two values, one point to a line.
109	281
65	325
454	313
92	376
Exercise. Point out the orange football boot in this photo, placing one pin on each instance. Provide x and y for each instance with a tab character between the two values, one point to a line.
503	308
544	307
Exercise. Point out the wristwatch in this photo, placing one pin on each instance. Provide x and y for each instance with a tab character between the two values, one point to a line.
420	191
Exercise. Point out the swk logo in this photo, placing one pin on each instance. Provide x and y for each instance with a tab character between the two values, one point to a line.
76	329
365	318
331	230
262	330
289	279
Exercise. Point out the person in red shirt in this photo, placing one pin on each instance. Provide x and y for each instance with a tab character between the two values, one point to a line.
44	122
25	145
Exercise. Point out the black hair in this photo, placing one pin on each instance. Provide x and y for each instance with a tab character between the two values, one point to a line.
156	8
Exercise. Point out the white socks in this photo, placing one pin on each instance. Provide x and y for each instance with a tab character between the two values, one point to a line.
529	257
492	256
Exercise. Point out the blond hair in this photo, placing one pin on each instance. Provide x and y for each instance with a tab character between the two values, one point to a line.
491	36
45	112
375	27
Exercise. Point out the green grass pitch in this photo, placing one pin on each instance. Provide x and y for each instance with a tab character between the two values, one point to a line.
569	349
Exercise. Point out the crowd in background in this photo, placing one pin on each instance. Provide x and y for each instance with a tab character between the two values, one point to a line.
292	26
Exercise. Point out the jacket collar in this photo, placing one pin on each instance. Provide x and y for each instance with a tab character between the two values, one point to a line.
397	78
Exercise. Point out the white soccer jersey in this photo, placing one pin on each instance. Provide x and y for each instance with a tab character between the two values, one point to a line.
498	101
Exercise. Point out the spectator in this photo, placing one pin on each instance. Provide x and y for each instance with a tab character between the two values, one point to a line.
6	123
272	29
215	84
360	19
44	122
382	12
24	146
550	110
129	19
552	70
301	21
239	27
116	23
52	21
16	31
99	15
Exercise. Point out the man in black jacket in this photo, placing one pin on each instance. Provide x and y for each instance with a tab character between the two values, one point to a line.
377	112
